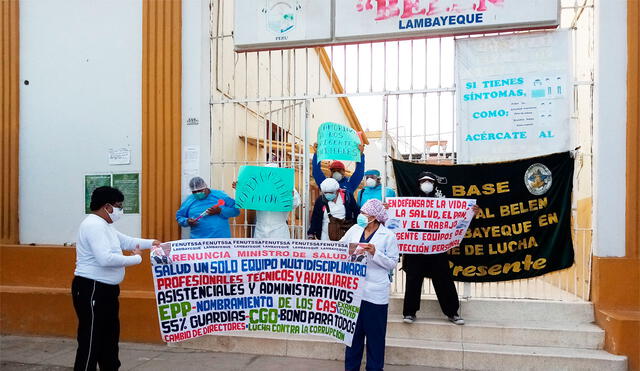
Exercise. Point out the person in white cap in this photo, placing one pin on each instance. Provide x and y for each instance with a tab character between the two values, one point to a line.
333	212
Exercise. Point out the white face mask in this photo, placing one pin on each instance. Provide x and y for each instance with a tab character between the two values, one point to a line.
426	187
337	176
371	182
116	214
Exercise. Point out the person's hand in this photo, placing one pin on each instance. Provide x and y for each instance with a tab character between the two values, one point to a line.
476	210
361	148
137	250
386	205
311	237
315	147
369	247
215	210
192	222
234	184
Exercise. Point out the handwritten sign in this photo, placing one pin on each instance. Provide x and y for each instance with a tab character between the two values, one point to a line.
338	142
265	188
429	225
297	287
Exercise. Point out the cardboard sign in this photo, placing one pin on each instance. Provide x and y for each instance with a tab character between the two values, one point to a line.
338	142
265	188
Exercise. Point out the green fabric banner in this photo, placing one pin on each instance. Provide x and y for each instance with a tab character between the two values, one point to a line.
524	227
265	188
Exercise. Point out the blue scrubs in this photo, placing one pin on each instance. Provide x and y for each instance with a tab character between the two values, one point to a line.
209	226
376	192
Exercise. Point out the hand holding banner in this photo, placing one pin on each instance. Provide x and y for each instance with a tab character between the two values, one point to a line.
429	225
338	142
265	188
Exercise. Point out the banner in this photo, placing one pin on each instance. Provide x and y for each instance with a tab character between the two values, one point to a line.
523	229
269	24
208	286
265	188
338	142
514	96
428	225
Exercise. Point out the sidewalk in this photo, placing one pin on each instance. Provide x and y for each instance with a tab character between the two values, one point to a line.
20	353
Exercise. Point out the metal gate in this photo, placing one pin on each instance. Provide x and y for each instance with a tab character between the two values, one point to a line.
265	107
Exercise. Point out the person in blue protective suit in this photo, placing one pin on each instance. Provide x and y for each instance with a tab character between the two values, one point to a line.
215	207
373	188
338	171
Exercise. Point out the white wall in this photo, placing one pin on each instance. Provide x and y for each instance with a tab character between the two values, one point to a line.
83	61
610	122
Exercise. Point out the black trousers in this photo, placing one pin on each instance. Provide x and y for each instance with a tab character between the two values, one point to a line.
97	307
435	266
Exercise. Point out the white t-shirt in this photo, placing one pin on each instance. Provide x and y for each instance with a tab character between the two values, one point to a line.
337	211
99	251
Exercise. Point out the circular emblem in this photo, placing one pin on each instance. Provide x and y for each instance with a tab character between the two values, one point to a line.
538	179
281	18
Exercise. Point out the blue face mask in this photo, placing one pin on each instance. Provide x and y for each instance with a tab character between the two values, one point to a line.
362	220
330	196
200	195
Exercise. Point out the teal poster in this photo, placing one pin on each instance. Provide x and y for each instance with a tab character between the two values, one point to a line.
338	142
265	188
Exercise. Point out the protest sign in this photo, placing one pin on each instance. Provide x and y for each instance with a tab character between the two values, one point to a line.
338	142
208	286
429	225
523	228
265	188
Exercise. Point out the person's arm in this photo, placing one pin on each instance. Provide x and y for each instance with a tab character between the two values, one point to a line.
229	209
96	237
387	259
130	243
357	175
315	225
182	213
318	175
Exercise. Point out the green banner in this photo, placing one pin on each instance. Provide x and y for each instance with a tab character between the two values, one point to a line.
338	142
265	188
129	185
91	182
524	227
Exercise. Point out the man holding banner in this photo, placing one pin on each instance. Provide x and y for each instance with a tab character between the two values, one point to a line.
434	265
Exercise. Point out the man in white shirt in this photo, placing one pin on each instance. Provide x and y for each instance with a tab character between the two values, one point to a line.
99	270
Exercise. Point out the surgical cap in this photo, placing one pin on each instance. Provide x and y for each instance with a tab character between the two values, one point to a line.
197	183
376	209
329	185
372	172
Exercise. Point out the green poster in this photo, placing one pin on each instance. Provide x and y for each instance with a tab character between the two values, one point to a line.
129	185
265	188
338	142
91	182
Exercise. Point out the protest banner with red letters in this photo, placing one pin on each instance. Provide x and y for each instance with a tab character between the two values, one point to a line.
425	225
209	286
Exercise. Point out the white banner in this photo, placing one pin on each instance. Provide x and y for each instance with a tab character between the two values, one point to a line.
425	225
513	96
273	24
208	286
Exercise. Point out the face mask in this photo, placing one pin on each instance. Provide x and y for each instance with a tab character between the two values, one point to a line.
426	187
330	196
362	220
200	195
337	176
371	183
116	214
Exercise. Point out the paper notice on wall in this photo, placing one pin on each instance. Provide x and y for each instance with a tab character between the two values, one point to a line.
191	157
119	156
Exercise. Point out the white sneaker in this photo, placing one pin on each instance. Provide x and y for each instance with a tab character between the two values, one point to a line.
457	320
409	319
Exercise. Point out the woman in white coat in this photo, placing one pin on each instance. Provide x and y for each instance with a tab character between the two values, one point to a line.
381	249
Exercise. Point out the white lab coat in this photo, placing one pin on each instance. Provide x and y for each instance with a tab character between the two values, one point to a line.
385	259
273	224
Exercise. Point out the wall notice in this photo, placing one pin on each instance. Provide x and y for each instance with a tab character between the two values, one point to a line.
293	287
513	96
91	182
129	185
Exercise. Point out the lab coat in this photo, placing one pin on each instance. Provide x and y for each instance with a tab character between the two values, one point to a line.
385	259
273	224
